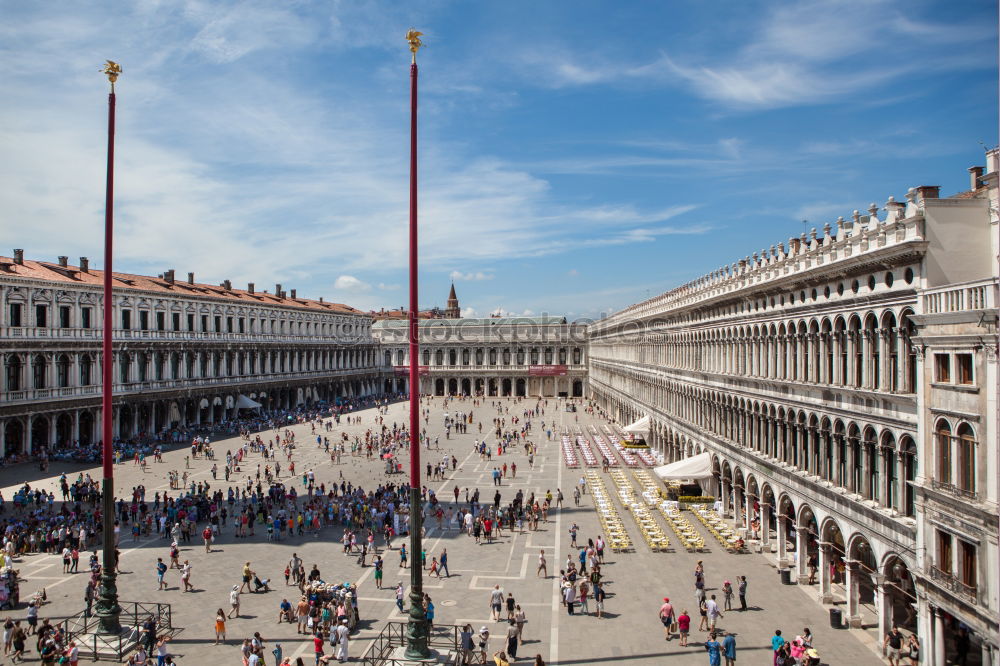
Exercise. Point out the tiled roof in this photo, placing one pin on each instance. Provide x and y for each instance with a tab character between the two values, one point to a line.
53	272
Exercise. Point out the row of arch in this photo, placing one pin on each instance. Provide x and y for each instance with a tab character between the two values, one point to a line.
865	350
872	460
67	428
465	355
68	369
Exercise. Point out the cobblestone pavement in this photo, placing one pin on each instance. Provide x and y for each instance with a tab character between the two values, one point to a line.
630	630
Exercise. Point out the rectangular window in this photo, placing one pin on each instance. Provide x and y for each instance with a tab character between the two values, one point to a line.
242	325
218	324
15	314
229	324
204	323
144	320
161	321
963	368
175	321
85	318
942	368
64	316
944	552
126	320
190	319
967	564
41	316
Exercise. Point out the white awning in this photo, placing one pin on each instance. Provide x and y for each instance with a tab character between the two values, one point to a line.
694	468
640	427
246	403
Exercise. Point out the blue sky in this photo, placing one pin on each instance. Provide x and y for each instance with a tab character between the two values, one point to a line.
575	156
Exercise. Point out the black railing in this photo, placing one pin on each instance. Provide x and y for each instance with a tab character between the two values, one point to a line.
443	638
83	629
951	582
953	489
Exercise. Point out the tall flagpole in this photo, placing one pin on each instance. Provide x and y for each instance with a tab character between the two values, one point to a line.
107	608
416	632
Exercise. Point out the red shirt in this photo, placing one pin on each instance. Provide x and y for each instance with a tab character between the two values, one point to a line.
684	622
318	644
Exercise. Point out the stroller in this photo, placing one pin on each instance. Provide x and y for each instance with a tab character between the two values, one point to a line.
261	584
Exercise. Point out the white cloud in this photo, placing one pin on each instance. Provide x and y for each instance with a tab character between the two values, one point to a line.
387	287
351	284
476	276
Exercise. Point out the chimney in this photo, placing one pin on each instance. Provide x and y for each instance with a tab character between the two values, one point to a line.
190	278
321	299
277	290
293	294
84	265
19	257
250	287
975	173
168	276
64	261
928	192
227	285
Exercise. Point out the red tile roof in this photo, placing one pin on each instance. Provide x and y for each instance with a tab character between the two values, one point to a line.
53	272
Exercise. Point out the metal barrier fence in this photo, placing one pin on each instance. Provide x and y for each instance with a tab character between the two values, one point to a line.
443	638
83	629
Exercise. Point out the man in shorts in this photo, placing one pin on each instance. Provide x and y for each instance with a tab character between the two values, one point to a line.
302	614
893	644
247	577
667	616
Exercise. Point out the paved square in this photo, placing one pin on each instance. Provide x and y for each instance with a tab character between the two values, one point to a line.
637	581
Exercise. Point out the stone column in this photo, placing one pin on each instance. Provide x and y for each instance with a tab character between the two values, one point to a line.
802	554
853	594
765	525
825	559
882	606
76	425
782	539
938	636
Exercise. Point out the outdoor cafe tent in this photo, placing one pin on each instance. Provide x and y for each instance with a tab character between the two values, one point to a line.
640	427
247	403
696	468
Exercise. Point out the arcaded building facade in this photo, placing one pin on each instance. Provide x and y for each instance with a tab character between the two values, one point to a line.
845	385
185	352
498	356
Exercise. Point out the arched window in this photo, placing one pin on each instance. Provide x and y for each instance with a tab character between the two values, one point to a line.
62	371
908	451
966	458
13	372
943	437
85	370
39	369
124	366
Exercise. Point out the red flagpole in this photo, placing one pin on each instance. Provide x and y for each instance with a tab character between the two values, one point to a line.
416	631
107	608
412	317
107	367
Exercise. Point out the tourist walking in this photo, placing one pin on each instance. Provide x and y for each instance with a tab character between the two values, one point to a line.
742	588
714	650
729	649
667	616
234	601
220	626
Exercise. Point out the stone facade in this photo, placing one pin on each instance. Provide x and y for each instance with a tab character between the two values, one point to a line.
808	372
185	352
